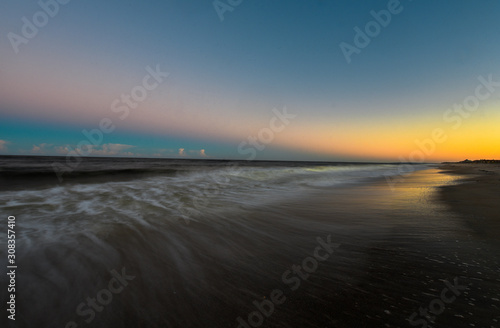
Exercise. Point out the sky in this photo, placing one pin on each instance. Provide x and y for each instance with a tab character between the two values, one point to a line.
251	79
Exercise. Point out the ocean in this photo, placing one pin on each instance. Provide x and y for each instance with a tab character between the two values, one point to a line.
132	188
126	242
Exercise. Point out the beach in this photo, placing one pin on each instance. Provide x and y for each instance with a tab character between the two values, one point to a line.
477	198
272	246
250	164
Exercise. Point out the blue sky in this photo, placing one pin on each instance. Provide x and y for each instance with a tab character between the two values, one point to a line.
225	77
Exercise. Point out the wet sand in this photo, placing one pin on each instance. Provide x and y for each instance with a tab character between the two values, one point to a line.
477	199
398	250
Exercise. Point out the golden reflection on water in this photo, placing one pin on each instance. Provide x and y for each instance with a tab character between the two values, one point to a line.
412	203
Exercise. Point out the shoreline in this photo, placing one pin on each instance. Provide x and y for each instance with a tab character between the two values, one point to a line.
475	197
397	248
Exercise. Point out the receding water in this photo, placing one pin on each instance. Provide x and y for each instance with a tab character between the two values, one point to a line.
199	243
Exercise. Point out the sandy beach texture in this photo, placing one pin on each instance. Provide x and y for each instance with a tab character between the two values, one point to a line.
421	254
477	199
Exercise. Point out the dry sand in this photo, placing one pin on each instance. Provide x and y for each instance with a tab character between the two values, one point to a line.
477	198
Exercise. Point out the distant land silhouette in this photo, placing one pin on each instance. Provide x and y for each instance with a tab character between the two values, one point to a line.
477	161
